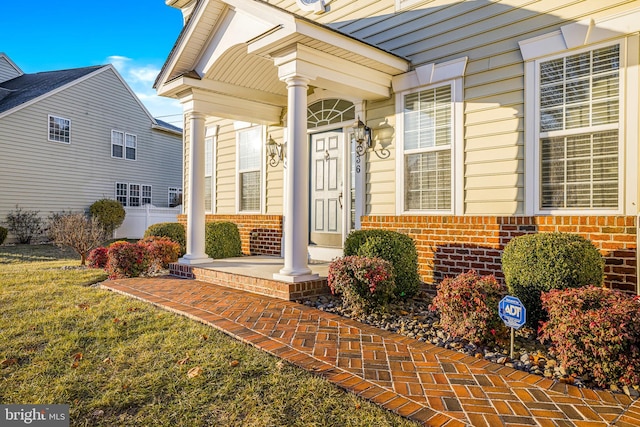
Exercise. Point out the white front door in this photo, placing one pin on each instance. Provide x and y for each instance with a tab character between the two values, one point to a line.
327	186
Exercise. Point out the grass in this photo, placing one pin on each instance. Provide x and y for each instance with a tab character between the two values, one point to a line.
118	361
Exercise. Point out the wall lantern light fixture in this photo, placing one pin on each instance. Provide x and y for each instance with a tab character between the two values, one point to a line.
362	135
275	152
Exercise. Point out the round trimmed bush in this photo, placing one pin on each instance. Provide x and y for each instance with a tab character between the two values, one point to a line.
3	234
172	230
397	248
537	263
222	240
109	213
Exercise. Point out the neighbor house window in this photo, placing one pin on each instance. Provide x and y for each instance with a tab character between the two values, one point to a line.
131	146
249	169
146	194
59	129
124	145
117	144
175	196
122	193
133	194
578	130
427	145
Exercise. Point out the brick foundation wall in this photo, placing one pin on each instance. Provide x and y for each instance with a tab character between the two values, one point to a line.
260	234
449	245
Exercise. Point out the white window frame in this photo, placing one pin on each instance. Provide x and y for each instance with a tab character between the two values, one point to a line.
211	134
122	193
66	139
114	143
245	127
128	146
125	144
173	191
570	39
138	188
423	78
144	199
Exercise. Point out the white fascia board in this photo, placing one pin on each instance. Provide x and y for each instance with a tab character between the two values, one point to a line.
230	107
181	84
58	90
331	37
430	74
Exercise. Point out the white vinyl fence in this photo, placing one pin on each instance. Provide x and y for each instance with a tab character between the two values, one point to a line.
138	219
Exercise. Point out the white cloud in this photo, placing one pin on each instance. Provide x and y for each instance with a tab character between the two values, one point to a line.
140	77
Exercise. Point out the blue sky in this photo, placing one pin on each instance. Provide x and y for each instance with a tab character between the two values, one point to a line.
134	35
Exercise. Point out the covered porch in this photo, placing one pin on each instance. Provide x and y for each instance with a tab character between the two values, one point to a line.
255	63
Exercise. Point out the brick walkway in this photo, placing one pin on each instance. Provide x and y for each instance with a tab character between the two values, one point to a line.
425	383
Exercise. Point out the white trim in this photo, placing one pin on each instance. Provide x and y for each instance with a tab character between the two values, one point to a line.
261	170
583	33
51	116
405	4
457	150
430	74
315	6
176	191
142	194
627	125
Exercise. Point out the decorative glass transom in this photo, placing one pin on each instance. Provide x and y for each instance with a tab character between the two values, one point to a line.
330	111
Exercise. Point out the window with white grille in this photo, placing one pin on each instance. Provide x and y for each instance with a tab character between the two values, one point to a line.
579	114
124	145
249	169
59	129
427	150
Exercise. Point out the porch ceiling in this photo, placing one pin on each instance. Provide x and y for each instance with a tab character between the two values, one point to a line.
235	54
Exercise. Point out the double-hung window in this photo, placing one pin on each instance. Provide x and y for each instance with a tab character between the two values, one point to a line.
124	145
578	114
427	149
175	196
133	194
249	169
59	129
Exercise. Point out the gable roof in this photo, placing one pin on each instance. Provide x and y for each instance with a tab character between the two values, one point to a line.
27	87
162	125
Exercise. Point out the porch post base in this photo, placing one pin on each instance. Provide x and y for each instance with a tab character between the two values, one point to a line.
194	259
295	279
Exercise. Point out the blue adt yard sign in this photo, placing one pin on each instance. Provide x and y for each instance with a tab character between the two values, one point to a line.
512	312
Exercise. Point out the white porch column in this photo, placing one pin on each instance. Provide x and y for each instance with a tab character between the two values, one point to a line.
195	201
296	215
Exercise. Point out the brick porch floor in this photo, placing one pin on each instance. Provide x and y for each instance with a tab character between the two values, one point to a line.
425	383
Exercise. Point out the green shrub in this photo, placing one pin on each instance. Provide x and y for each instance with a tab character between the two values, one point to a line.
109	213
24	225
397	248
365	284
126	259
595	330
3	234
468	306
222	240
172	230
537	263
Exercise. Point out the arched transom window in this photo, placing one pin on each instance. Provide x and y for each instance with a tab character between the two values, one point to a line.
330	111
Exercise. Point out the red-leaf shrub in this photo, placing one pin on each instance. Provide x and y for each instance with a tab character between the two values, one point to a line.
468	306
98	258
127	260
595	330
364	283
162	251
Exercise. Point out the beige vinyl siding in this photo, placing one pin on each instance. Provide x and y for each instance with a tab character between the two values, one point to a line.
275	177
381	172
49	176
226	169
7	71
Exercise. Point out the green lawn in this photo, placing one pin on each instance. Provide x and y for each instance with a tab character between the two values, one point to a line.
118	361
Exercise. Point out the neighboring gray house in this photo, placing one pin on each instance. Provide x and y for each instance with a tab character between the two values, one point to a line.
71	137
